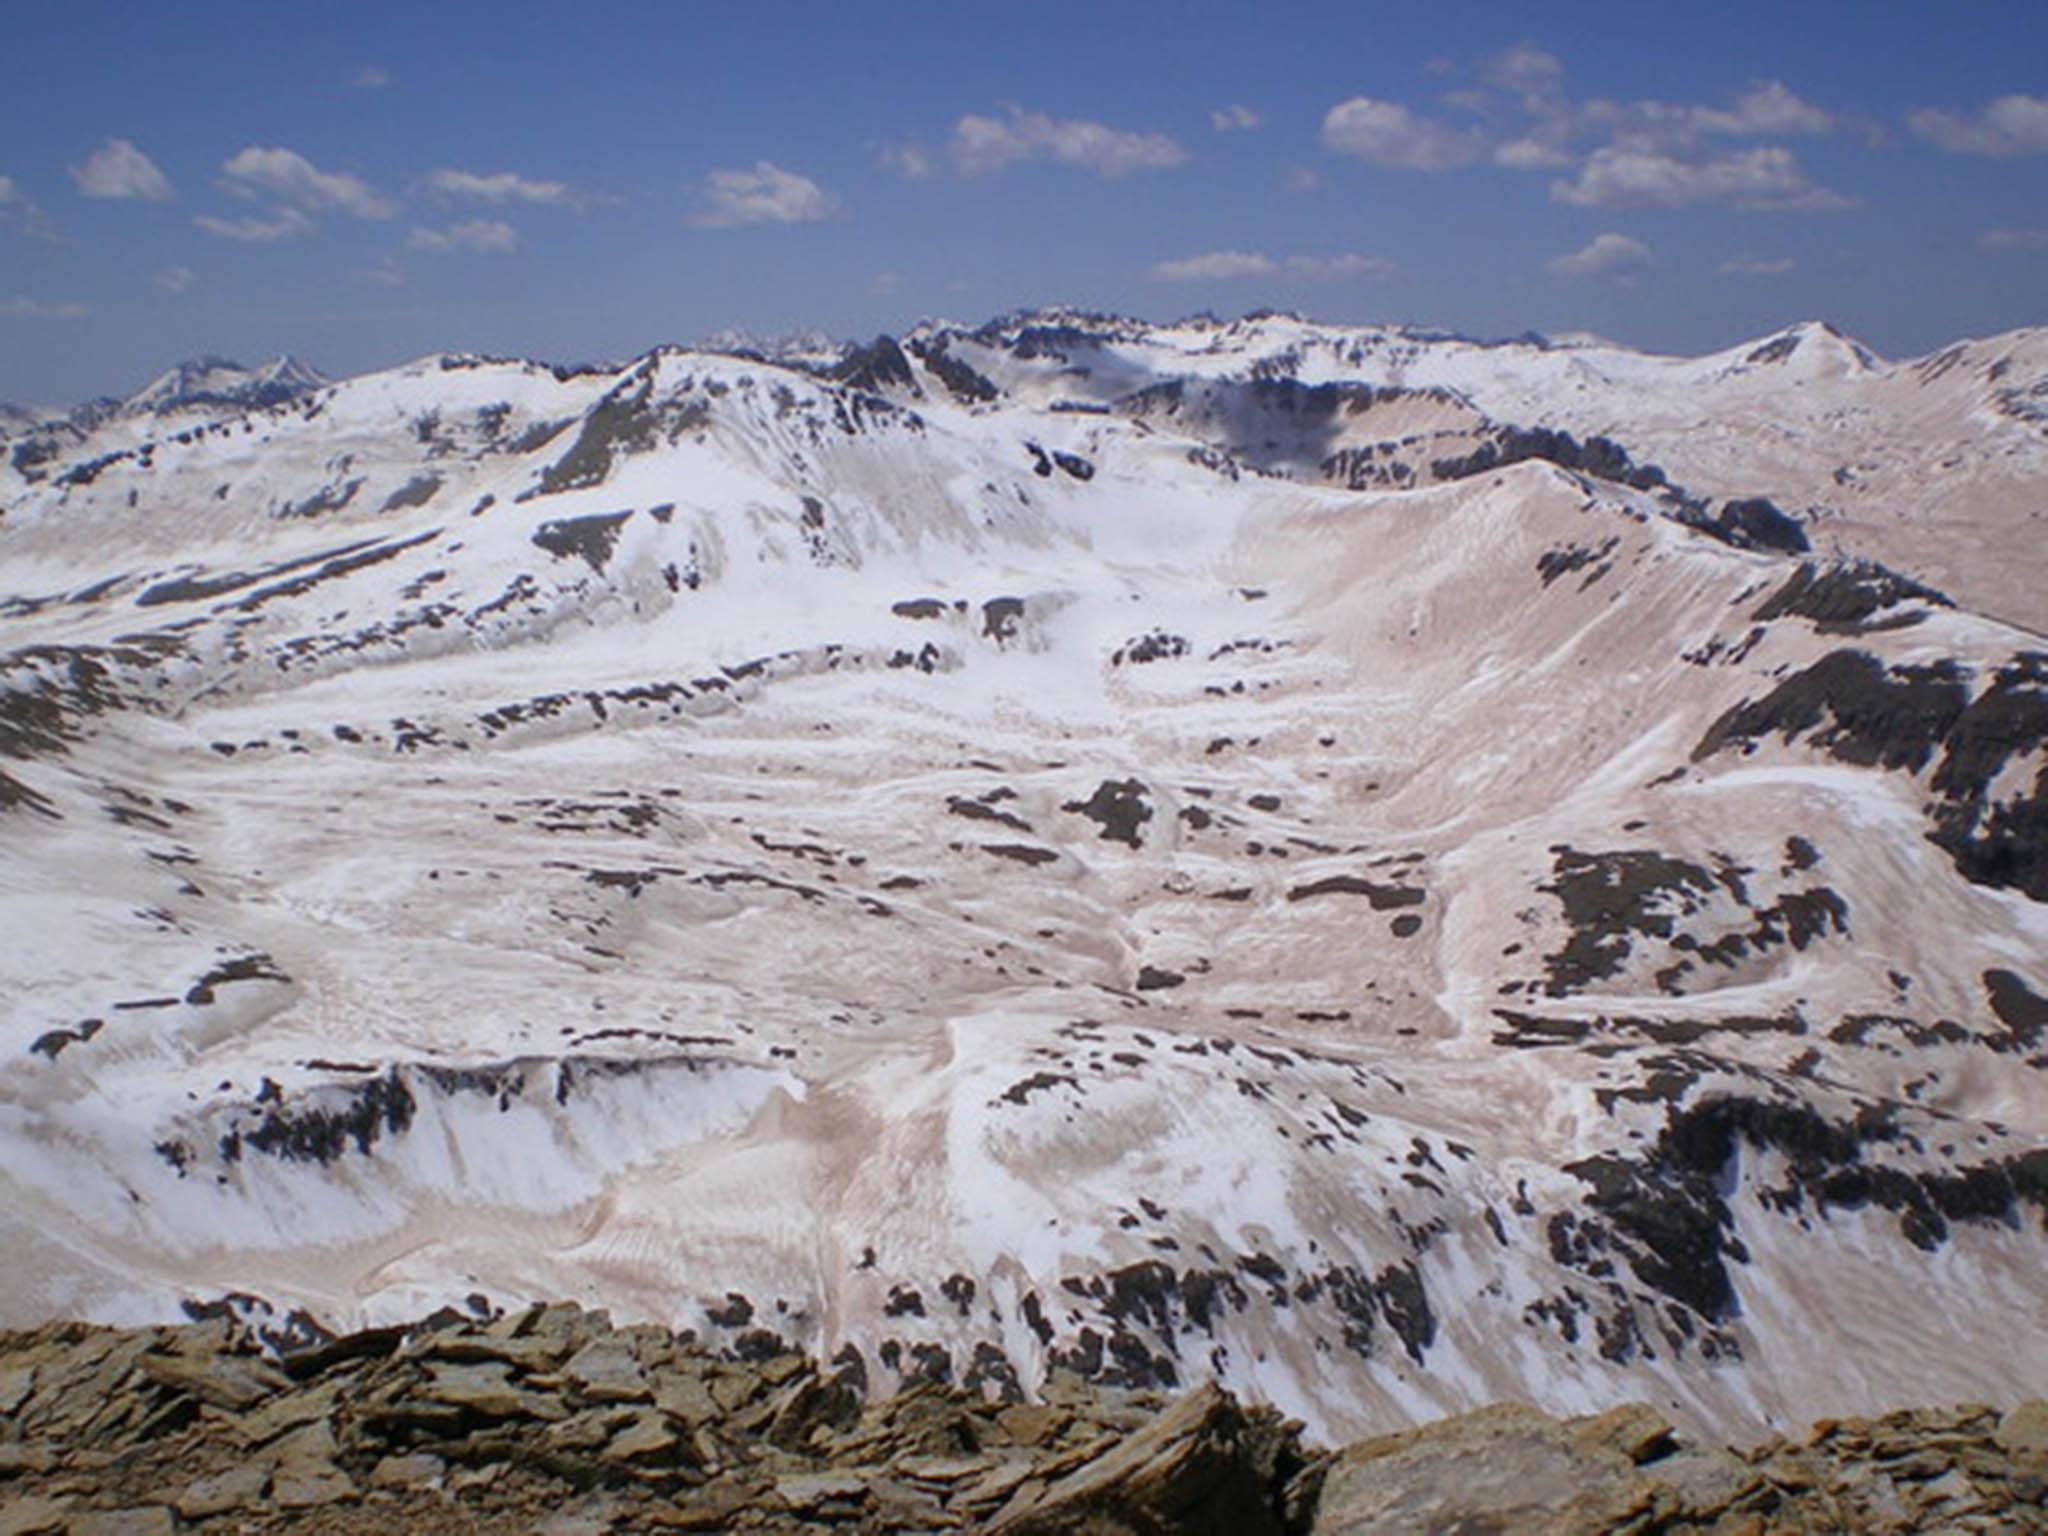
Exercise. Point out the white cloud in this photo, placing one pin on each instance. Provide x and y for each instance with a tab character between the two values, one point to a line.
1526	70
1233	119
118	169
483	237
295	181
35	223
1608	255
17	212
287	224
1520	117
885	284
1767	177
1530	155
1331	269
1300	178
1221	266
1214	266
2011	125
500	187
767	194
1766	107
31	309
371	77
913	162
386	274
2021	239
1757	266
175	279
984	145
1387	133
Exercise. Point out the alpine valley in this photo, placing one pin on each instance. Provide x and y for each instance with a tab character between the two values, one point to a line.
1387	871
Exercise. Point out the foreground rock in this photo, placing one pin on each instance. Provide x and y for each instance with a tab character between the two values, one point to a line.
553	1421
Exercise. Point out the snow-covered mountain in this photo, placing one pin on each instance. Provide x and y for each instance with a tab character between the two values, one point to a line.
203	387
210	383
1389	870
18	418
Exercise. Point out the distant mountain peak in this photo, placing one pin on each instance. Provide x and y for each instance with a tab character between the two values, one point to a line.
217	381
804	348
1816	344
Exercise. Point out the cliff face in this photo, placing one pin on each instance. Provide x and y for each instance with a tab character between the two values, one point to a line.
550	1419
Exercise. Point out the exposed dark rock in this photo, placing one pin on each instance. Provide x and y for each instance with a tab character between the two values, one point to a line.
589	538
1157	646
1021	853
1553	563
51	1042
340	563
623	422
1382	898
1000	617
2019	1008
1756	523
1118	807
962	381
1843	598
416	492
252	967
196	588
330	498
1668	1207
1598	456
1612	898
877	367
1850	706
980	810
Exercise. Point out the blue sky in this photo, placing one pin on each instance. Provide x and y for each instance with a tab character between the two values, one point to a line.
366	183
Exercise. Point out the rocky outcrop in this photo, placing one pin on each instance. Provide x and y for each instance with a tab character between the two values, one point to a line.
552	1419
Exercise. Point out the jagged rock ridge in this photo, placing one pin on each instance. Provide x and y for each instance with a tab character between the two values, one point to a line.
486	1423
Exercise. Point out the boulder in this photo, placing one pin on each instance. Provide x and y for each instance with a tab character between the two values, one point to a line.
1503	1468
19	1460
1197	1467
646	1437
683	1395
808	1406
142	1520
606	1371
486	1390
2023	1431
241	1486
280	1414
1636	1430
303	1472
823	1494
1032	1423
220	1381
35	1515
415	1470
